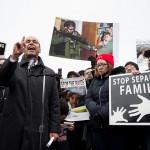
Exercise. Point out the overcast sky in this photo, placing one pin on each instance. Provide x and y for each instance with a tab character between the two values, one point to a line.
36	17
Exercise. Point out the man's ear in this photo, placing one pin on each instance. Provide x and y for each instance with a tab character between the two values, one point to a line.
39	48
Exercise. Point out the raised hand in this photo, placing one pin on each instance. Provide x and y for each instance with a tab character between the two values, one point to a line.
18	49
118	115
141	109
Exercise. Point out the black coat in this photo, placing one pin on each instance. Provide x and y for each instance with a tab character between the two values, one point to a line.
23	114
3	98
97	101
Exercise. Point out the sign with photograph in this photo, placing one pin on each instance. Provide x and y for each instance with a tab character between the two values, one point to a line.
141	47
82	40
75	85
130	99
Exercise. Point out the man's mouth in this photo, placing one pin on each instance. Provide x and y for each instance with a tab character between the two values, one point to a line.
31	47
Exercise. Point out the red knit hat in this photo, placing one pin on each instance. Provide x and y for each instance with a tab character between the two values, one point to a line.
107	57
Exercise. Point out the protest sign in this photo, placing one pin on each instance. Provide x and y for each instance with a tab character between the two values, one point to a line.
141	47
78	116
76	85
130	99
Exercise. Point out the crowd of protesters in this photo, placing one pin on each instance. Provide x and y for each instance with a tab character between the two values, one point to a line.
29	118
101	135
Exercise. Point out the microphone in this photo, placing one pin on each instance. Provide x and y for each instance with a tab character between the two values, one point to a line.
31	63
50	142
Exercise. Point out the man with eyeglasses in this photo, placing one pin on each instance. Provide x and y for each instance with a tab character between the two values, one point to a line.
131	67
134	131
143	141
88	74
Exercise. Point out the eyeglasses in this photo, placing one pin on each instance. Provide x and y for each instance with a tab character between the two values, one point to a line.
90	72
101	65
130	67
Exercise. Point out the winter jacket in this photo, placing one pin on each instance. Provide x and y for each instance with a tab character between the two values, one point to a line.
22	118
97	101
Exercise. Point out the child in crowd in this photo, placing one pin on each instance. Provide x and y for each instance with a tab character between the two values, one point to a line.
76	99
72	100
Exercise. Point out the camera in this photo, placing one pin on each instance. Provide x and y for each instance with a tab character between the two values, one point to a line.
60	72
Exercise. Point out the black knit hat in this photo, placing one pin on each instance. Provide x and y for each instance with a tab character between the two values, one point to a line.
147	53
132	63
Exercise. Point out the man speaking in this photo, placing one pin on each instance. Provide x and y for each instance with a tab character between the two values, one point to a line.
32	113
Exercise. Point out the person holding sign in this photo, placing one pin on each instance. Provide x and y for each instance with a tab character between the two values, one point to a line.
104	137
131	67
141	110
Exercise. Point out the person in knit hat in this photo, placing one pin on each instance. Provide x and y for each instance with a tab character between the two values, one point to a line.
107	57
131	67
97	103
105	64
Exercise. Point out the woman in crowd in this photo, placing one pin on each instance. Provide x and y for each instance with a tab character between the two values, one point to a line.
104	137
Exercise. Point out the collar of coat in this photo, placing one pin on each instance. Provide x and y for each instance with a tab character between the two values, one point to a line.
102	77
24	61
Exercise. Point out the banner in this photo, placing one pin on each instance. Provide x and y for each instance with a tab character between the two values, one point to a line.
130	99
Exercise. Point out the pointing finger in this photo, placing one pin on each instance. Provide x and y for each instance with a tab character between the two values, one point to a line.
22	41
